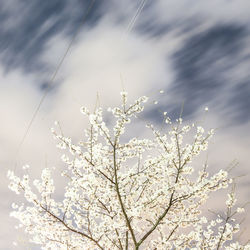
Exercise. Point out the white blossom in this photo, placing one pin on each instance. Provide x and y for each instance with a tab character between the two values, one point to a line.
240	210
128	193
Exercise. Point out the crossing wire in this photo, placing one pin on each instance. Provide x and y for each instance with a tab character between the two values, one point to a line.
54	76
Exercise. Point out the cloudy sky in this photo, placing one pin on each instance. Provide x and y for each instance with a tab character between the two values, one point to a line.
196	51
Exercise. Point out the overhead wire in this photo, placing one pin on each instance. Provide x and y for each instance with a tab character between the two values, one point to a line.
54	76
135	17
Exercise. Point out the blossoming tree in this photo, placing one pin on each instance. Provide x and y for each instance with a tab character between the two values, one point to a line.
128	193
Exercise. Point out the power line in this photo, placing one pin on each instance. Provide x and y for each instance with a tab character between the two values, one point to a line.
54	76
135	17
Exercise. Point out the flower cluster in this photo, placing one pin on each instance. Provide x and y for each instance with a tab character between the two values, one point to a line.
128	193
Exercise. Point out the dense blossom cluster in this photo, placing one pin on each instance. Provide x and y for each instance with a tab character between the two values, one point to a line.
128	193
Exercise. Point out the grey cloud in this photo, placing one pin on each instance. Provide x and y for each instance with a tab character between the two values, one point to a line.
208	68
239	102
35	23
204	66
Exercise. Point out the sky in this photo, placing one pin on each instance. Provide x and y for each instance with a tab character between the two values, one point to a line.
196	51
